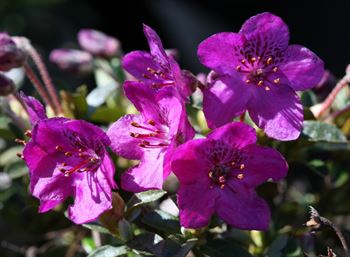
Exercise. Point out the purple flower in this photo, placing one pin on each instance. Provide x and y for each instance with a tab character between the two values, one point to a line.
10	55
150	137
7	86
67	158
156	67
72	60
257	71
98	43
218	174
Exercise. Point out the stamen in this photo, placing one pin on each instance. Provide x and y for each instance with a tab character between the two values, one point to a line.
276	81
243	61
269	61
275	69
58	148
151	122
145	76
63	170
222	186
260	83
210	174
267	88
28	133
238	68
135	135
135	124
222	179
93	160
20	141
253	59
240	176
20	155
247	81
259	72
241	167
68	154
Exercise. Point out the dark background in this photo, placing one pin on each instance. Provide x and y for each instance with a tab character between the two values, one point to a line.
323	26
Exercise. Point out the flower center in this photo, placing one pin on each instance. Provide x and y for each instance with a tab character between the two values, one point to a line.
151	134
259	71
159	78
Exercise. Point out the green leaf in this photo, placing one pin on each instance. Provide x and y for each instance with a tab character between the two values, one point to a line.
162	221
105	114
16	170
185	248
224	248
88	244
277	246
318	131
96	227
148	196
10	155
147	242
108	251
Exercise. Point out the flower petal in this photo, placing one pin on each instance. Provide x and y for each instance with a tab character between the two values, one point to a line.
35	109
137	62
121	142
277	111
147	175
196	203
243	210
236	134
108	169
189	160
267	31
218	52
264	163
93	196
303	68
225	99
155	45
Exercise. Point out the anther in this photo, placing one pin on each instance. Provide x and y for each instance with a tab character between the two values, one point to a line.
275	69
276	81
80	150
238	68
253	59
151	122
62	170
233	163
20	155
20	141
269	61
145	76
247	81
222	179
259	72
68	154
240	176
145	142
222	186
135	124
93	160
267	88
58	148
64	164
210	174
135	135
28	133
243	61
260	83
241	167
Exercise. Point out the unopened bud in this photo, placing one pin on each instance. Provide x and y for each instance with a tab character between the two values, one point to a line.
72	60
10	55
6	85
98	43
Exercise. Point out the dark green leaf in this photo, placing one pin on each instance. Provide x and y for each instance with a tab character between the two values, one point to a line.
163	221
16	169
147	242
149	196
319	131
277	246
224	248
109	251
96	227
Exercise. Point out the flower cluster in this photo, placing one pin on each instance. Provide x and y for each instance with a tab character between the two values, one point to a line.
253	71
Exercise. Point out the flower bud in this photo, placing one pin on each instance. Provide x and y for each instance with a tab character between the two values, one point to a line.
10	55
98	43
6	85
72	60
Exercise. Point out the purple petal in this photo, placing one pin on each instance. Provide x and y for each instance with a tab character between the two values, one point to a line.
147	175
217	52
264	163
236	134
225	99
196	203
189	160
137	62
302	67
267	31
278	112
108	169
35	109
155	45
243	210
93	196
121	142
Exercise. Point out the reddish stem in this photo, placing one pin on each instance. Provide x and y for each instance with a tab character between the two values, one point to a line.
241	118
46	78
38	85
331	97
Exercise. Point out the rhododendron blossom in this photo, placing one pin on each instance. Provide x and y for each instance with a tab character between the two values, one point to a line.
218	174
256	71
151	136
67	158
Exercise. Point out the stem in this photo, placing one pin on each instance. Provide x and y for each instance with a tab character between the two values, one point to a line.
38	85
241	118
19	100
338	113
331	97
46	78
